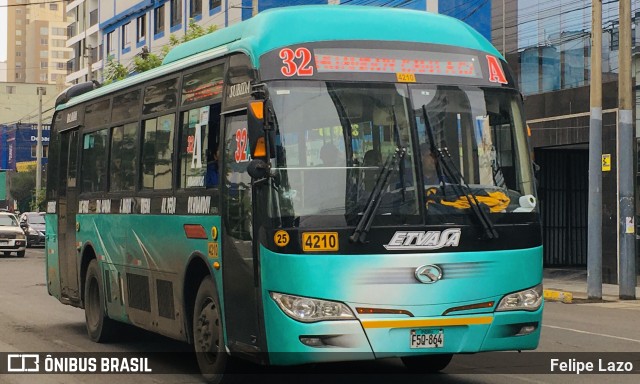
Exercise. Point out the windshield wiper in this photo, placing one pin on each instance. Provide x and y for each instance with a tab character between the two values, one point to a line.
364	224
399	144
459	184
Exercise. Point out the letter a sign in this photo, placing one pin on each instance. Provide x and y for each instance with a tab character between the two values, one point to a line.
496	74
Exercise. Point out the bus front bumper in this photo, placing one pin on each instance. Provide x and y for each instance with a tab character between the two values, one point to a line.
291	342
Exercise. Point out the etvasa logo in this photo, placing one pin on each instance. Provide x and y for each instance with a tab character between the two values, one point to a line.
424	240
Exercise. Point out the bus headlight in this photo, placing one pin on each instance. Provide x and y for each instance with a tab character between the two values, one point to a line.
310	310
527	300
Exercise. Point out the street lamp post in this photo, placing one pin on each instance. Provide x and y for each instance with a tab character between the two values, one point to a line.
41	91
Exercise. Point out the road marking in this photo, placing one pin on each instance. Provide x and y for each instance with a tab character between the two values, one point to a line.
592	333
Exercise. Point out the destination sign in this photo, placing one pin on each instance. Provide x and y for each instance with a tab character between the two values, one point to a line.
396	61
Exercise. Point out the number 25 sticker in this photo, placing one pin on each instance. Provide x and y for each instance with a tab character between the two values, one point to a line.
242	144
290	67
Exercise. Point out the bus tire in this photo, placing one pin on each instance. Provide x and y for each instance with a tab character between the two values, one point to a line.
20	253
208	340
427	363
99	327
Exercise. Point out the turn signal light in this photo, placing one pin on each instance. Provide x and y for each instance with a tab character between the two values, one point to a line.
195	231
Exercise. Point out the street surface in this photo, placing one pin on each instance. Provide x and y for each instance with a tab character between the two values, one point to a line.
32	321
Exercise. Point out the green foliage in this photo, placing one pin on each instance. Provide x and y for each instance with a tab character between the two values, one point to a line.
145	61
22	186
37	204
114	71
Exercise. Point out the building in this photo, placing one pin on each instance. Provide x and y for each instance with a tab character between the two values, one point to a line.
18	146
19	102
121	29
548	46
84	40
3	71
36	38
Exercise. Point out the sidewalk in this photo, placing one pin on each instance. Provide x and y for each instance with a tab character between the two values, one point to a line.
569	285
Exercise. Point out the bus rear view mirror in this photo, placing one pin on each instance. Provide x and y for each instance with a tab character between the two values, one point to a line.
258	169
256	124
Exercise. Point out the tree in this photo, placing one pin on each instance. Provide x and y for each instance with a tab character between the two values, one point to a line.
22	187
145	60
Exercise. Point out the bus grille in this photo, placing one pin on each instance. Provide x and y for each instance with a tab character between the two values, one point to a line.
138	292
165	299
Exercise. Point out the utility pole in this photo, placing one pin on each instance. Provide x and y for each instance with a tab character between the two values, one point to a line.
254	7
625	140
41	91
594	242
89	62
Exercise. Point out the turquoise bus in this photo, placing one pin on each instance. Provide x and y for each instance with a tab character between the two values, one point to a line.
315	184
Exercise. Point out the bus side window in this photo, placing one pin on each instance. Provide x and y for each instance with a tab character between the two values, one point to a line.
94	161
123	157
199	132
238	182
157	152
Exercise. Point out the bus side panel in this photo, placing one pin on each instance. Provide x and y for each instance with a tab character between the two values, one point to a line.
144	259
51	253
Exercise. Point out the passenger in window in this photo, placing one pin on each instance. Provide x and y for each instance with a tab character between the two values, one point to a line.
212	168
429	166
330	155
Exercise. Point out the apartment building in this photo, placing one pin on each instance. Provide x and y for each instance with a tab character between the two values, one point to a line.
36	42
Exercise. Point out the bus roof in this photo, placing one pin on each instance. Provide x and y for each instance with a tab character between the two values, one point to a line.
285	26
280	27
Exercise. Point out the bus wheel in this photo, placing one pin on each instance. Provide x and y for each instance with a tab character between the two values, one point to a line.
20	253
99	327
207	332
427	363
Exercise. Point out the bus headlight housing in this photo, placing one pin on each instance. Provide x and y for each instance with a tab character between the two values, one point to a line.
526	300
310	310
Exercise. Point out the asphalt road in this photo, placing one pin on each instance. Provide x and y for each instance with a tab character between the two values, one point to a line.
32	321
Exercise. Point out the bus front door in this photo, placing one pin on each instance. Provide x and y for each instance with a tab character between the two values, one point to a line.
241	282
67	209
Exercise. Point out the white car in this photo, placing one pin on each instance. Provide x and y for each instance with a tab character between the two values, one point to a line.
12	236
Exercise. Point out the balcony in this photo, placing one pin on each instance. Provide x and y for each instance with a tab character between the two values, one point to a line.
72	30
73	65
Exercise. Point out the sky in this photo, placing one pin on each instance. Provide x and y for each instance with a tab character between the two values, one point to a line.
3	33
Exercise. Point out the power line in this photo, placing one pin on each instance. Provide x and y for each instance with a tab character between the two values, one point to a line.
28	4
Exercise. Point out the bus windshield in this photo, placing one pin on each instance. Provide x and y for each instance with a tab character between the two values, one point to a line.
332	140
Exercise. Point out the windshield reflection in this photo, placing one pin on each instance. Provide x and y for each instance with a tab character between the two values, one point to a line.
332	140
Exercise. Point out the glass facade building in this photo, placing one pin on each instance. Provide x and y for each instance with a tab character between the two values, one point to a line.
549	46
554	38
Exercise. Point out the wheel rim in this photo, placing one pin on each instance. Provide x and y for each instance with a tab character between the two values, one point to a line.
207	330
93	304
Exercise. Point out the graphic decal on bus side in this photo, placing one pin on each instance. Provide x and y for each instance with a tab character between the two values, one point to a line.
242	146
424	240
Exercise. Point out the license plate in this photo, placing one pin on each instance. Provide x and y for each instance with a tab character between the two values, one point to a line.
427	338
319	241
4	243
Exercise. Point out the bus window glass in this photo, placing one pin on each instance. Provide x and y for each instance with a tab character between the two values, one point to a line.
344	133
94	161
202	85
97	114
126	107
73	160
157	151
123	157
237	180
484	135
194	145
160	97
